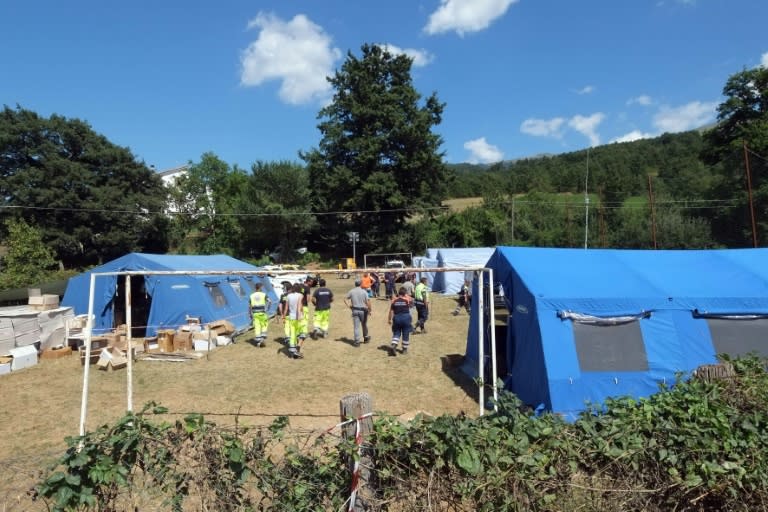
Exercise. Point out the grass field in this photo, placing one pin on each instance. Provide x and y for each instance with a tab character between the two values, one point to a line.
41	405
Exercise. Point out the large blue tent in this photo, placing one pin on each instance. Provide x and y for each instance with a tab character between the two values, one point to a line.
166	301
585	325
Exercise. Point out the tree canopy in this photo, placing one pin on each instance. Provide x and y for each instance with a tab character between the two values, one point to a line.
378	158
90	199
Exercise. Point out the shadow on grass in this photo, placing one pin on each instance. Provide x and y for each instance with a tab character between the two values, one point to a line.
451	366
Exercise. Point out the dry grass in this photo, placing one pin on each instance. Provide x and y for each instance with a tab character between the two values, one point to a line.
41	405
462	203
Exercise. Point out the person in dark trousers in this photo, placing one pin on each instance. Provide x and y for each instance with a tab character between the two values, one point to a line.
359	302
400	320
465	295
321	299
389	284
421	299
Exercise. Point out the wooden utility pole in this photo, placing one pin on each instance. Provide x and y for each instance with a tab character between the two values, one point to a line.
749	192
653	211
356	410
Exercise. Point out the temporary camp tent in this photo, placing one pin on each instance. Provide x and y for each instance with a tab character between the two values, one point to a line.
585	325
165	301
450	282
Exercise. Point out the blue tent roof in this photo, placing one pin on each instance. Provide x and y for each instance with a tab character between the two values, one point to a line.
173	297
546	352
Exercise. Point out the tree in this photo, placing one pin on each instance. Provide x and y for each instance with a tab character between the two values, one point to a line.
742	120
90	199
203	201
29	261
378	159
275	204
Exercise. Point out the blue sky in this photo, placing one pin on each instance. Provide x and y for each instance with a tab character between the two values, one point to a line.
245	80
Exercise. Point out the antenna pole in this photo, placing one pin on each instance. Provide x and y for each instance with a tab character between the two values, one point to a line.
586	205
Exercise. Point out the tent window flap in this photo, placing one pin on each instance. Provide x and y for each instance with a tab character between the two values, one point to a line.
216	294
610	347
738	336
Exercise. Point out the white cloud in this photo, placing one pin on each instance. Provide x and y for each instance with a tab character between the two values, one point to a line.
420	57
543	127
482	152
764	60
466	15
685	117
586	89
633	135
643	100
297	52
587	126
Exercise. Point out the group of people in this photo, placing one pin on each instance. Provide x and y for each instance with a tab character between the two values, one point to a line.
293	310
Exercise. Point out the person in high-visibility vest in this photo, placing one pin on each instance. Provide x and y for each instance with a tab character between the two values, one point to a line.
293	314
259	304
421	299
282	311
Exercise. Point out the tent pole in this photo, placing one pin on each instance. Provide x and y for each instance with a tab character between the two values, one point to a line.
494	371
128	340
480	347
87	361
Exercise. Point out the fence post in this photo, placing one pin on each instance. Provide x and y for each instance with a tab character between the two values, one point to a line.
354	407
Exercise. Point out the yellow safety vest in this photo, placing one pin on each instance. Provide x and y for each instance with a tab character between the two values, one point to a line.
258	302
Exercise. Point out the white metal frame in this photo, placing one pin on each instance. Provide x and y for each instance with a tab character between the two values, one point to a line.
88	332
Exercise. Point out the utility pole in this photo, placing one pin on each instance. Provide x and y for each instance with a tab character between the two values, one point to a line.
586	205
749	192
653	211
354	237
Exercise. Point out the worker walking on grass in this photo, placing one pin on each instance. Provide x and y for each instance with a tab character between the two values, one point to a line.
293	314
306	291
258	305
465	295
282	311
359	302
421	299
400	320
322	299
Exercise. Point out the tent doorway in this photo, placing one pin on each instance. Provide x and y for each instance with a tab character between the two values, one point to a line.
141	304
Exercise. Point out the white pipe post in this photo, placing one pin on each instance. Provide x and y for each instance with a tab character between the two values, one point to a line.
480	347
87	362
494	370
129	341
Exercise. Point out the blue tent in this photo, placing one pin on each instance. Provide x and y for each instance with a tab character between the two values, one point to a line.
165	301
585	325
447	257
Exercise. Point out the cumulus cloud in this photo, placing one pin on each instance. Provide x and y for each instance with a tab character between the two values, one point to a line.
465	15
764	60
298	53
634	135
586	89
543	127
643	100
483	153
685	117
587	126
420	57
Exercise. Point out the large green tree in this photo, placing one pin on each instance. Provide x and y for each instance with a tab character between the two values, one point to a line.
90	199
742	121
275	208
378	159
204	201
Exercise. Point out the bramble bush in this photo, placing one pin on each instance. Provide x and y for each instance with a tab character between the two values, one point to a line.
697	445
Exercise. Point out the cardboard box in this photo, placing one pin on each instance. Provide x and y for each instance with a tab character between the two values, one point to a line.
222	327
23	357
112	359
203	346
182	341
94	355
56	352
222	341
5	364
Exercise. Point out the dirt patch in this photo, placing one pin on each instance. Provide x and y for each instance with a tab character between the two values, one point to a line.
41	405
